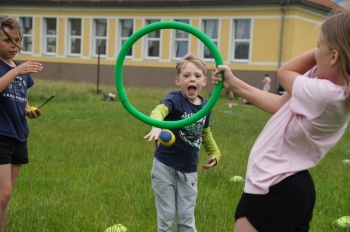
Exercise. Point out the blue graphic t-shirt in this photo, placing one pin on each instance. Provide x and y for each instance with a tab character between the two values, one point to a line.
183	154
13	100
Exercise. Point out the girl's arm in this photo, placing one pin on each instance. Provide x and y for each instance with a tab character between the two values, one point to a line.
22	69
295	67
266	101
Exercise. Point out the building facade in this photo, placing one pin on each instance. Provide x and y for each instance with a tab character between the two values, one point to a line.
80	40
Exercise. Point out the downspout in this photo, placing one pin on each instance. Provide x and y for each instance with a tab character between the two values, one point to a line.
281	39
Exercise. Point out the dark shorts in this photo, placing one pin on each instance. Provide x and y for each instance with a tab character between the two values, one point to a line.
287	207
13	151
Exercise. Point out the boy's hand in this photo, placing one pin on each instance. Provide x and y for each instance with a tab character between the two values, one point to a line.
212	163
153	134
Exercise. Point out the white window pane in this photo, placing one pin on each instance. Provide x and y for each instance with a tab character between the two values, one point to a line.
181	41
242	39
101	46
27	40
181	48
153	41
27	43
126	30
242	29
242	50
127	27
210	27
100	37
75	46
101	27
75	36
50	30
153	48
75	27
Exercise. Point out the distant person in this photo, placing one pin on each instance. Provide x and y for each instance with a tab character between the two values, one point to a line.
174	171
307	121
15	79
280	89
266	82
230	99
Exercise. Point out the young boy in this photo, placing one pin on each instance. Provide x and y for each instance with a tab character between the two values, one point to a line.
174	171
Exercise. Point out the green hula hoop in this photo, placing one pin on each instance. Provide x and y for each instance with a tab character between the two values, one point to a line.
119	74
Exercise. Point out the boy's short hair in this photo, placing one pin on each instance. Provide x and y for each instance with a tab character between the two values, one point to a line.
190	57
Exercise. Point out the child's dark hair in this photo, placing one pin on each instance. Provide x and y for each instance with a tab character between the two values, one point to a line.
12	24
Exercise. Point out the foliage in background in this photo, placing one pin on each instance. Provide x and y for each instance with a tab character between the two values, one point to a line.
90	166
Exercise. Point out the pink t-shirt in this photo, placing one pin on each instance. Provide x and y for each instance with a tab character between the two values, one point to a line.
299	135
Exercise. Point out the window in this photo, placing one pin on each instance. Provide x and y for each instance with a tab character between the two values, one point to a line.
153	41
126	30
181	41
241	48
74	36
27	40
210	27
50	35
100	37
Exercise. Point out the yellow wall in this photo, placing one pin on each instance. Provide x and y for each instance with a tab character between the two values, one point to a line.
111	46
300	33
87	36
266	39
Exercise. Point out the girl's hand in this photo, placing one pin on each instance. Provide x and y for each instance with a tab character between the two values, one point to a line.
229	77
33	113
29	67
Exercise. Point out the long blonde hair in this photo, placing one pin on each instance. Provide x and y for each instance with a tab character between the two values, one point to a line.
336	31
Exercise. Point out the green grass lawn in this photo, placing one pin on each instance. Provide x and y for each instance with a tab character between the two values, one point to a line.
90	166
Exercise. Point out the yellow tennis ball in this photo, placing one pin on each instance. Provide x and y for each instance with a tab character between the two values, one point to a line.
117	228
166	138
32	108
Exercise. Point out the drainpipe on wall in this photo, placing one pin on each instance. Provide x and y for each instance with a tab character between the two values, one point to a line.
281	40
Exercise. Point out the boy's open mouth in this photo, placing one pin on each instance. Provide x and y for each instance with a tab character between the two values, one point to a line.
191	89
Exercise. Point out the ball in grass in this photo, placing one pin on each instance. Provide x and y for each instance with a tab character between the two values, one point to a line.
166	138
236	179
343	222
117	228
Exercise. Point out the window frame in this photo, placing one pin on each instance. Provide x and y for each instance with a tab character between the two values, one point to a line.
29	36
123	39
182	39
70	37
47	37
215	40
148	39
95	38
241	40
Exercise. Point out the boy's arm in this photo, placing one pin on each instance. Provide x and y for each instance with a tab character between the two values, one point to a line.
209	144
160	112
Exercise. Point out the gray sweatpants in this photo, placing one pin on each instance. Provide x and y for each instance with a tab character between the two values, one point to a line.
175	193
